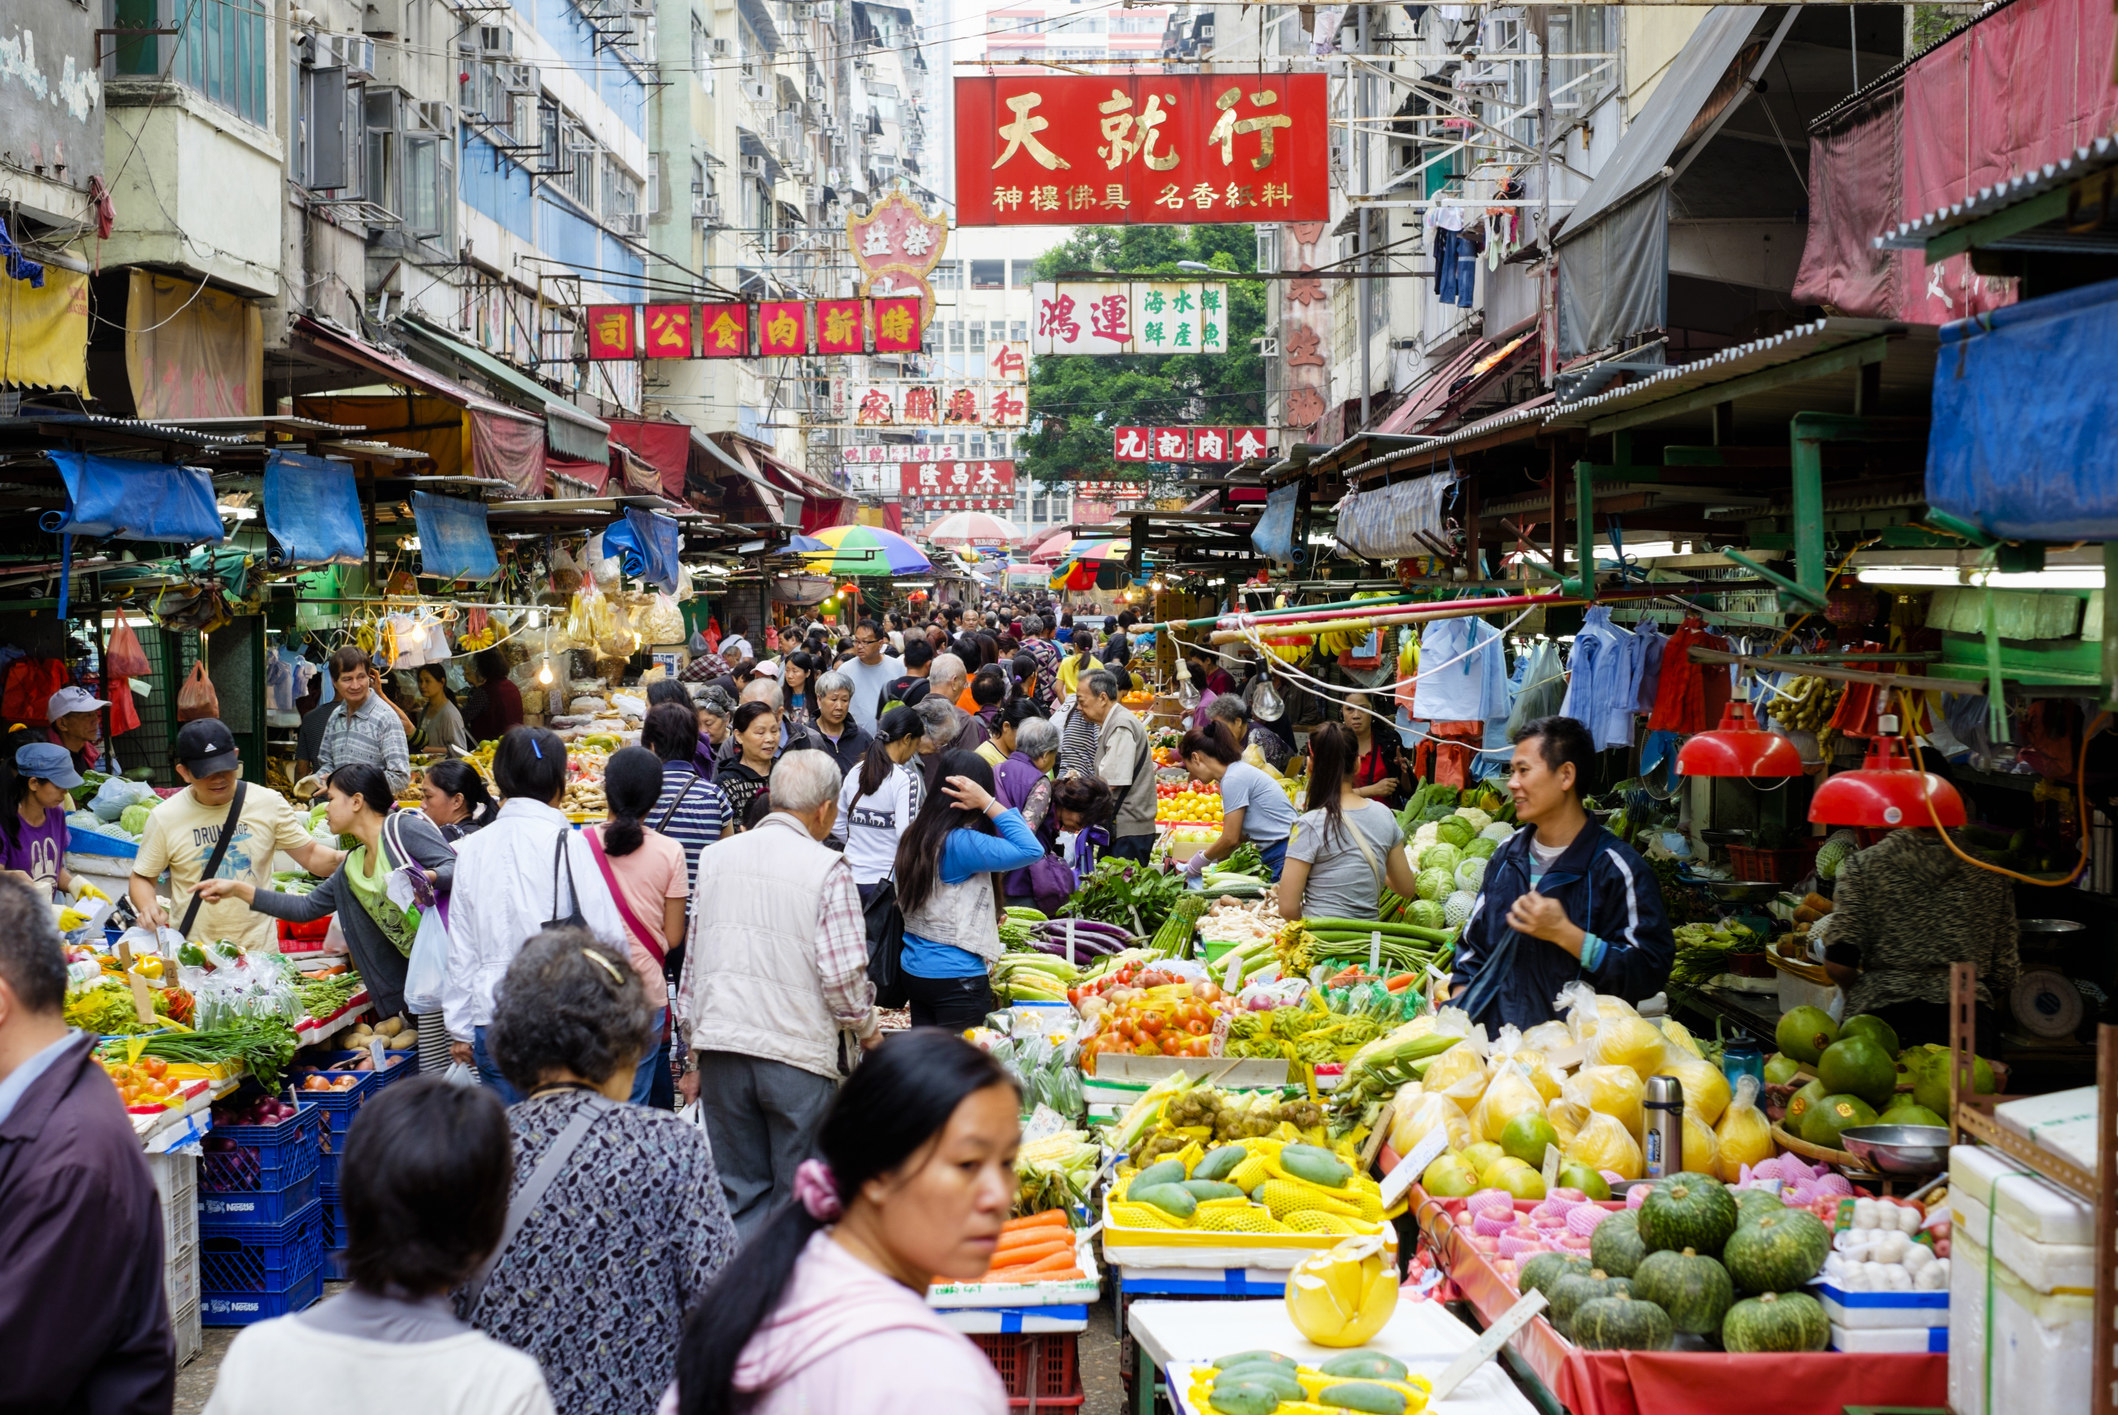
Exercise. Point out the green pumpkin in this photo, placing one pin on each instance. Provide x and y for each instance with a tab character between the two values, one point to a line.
1776	1321
1687	1210
1615	1245
1777	1252
1694	1290
1622	1324
1571	1290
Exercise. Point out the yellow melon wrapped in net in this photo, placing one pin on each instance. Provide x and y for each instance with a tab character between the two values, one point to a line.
1605	1144
1632	1041
1235	1216
1414	1121
1616	1091
1510	1094
1705	1084
1744	1135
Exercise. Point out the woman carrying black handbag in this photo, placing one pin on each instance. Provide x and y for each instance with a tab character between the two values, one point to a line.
875	808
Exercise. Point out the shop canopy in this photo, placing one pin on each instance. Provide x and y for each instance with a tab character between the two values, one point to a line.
2024	402
647	546
455	542
136	500
312	510
568	432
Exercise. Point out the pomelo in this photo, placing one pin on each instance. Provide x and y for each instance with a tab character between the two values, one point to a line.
1449	1178
1780	1069
1575	1175
1857	1065
1524	1183
1804	1033
1821	1126
1526	1137
1800	1104
1867	1024
1906	1111
1481	1155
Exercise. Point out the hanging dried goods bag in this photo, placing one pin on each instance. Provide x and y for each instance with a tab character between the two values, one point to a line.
197	697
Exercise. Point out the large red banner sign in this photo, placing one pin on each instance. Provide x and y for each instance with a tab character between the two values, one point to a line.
957	479
1111	151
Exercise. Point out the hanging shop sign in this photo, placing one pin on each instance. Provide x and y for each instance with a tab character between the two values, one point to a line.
1189	444
1111	490
1137	317
897	403
898	452
1305	327
1126	149
957	486
896	246
763	330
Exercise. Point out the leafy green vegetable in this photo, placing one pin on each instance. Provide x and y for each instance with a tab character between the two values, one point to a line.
1126	892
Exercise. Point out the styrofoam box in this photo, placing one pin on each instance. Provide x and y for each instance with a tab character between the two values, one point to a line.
1890	1339
2030	1204
2063	1122
1869	1311
2039	1342
2043	1267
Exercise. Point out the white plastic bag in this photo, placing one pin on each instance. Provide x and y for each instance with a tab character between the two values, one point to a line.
428	971
460	1075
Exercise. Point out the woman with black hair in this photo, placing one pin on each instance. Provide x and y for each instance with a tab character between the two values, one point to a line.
649	883
757	734
877	804
1253	807
33	830
797	691
425	1178
454	798
526	871
989	688
439	724
945	869
495	702
825	1307
1345	847
379	929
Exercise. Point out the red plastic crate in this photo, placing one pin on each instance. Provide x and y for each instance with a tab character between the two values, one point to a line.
1041	1370
304	938
1787	866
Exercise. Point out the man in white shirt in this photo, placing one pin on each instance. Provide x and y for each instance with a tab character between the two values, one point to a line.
870	671
736	647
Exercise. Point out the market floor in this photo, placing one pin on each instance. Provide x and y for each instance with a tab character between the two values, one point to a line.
1099	1364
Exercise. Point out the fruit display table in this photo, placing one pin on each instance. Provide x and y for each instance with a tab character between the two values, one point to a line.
1174	1336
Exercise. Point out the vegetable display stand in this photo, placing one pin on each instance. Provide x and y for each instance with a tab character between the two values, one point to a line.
1040	1371
397	1065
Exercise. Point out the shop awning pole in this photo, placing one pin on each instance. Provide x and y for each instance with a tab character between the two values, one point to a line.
1292	611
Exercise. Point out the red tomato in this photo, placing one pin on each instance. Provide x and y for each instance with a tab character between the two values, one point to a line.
1151	1024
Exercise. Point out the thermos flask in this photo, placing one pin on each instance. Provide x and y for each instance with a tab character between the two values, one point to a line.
1663	1126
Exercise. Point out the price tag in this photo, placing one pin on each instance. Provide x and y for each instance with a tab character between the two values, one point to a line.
1486	1347
1551	1168
1412	1166
140	1002
1375	952
376	1051
1070	958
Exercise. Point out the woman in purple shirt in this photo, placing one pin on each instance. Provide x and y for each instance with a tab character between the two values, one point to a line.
33	806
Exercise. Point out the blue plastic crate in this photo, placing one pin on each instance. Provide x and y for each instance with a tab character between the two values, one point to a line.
265	1259
242	1309
398	1065
327	1166
339	1107
250	1210
262	1158
334	1228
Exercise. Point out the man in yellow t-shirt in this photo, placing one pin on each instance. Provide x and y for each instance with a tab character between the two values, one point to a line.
182	831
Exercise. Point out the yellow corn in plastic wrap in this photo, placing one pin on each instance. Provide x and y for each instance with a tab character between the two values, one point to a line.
1629	1041
1616	1091
1509	1095
1412	1125
1458	1073
1605	1144
1345	1295
1705	1084
1744	1135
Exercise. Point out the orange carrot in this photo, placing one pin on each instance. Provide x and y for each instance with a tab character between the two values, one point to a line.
1017	1257
1057	1262
1050	1218
1066	1274
1401	982
1056	1240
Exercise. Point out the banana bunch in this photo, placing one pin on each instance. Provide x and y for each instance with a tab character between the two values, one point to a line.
1808	706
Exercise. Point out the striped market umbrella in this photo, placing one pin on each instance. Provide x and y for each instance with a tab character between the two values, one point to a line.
1091	564
1096	552
973	528
1053	547
866	550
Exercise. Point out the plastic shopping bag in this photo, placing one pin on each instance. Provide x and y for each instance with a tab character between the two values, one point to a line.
428	971
197	698
124	658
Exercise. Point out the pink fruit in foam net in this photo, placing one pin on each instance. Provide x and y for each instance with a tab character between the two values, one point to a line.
1492	1224
1583	1220
1574	1243
1513	1247
1489	1199
1834	1184
1611	1176
1570	1196
1485	1243
1636	1196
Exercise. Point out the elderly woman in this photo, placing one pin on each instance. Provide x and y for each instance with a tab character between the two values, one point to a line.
941	722
846	740
631	1227
1229	708
1023	782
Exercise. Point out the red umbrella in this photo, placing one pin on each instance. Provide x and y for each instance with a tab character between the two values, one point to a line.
1053	548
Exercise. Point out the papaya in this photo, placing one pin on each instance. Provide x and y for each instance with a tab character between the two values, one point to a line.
1316	1165
1240	1358
1167	1172
1360	1395
1244	1398
1219	1164
1169	1198
1372	1365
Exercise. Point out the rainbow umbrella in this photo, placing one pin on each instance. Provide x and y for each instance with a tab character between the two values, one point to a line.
1091	565
865	550
1096	552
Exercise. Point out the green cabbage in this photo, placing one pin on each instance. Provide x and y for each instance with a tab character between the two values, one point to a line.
1427	913
1456	831
1440	857
1435	884
134	819
1480	849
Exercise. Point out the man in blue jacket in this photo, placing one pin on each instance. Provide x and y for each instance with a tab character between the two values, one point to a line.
1564	899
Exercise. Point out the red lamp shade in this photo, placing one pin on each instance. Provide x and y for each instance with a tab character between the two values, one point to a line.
1886	792
1738	747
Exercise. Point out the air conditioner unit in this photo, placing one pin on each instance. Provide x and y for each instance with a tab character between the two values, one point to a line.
496	39
357	53
708	211
758	91
753	164
434	116
812	197
519	78
629	223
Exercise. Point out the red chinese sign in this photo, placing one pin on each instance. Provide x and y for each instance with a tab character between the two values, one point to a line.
1189	444
896	245
782	328
668	331
1106	151
839	327
612	332
897	325
925	480
723	330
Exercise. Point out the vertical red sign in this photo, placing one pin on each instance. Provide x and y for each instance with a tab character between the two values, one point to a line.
724	331
668	331
897	325
612	332
783	327
839	326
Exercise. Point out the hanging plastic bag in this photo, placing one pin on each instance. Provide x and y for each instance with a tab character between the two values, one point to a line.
660	621
428	973
1577	1003
1629	1041
1460	1072
1567	1120
1547	1037
1705	1084
1744	1134
1678	1035
1616	1091
1604	1144
123	657
567	573
197	697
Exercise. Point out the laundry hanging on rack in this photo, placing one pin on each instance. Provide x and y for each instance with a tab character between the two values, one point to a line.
1601	688
1464	674
1543	686
1689	696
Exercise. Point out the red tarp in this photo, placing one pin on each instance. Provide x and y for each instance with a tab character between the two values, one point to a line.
592	477
508	450
2025	86
665	446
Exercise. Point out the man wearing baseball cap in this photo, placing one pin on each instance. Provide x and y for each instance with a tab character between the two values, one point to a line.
184	836
76	721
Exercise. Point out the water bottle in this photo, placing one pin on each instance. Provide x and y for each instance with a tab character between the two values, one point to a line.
1743	1058
1663	1128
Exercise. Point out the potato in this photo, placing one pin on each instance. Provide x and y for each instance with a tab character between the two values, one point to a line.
390	1028
403	1041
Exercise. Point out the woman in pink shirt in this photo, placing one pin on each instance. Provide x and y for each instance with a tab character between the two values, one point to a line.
825	1308
645	871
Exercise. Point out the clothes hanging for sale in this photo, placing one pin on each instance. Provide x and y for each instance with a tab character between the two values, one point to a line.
1689	696
1648	643
1463	672
1542	688
1599	693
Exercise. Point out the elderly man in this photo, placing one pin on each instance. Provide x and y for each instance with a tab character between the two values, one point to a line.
76	717
775	982
870	671
946	681
366	728
794	737
84	1322
844	739
1122	763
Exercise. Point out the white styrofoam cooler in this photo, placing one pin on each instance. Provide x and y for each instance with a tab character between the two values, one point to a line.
2029	1203
1889	1339
2064	1122
2012	1348
1875	1311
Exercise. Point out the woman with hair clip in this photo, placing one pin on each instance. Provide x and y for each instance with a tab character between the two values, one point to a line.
945	869
379	930
825	1308
1375	763
1253	807
650	885
33	831
454	797
1345	847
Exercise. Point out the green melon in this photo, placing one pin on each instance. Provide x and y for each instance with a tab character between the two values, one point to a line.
1694	1290
1693	1211
1804	1033
1929	1073
1622	1324
1754	1204
1570	1290
1777	1252
1821	1126
1867	1024
1615	1245
1167	1172
1906	1111
1776	1321
1780	1070
1858	1066
1527	1136
1800	1104
1576	1175
1540	1271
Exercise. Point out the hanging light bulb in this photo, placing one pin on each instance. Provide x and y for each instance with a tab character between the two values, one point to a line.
1886	791
544	674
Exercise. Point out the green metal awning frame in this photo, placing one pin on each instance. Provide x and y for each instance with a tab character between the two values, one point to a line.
568	431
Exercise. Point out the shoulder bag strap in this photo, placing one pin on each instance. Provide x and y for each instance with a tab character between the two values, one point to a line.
1360	842
670	814
617	894
531	1194
220	853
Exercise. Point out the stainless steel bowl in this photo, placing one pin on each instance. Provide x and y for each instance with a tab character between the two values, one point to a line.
2049	926
1899	1149
1743	891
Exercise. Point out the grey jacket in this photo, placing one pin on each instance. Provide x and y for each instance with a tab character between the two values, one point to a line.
380	965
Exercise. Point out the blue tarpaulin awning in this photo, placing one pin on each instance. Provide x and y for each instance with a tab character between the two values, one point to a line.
647	547
131	500
2024	402
312	510
454	540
